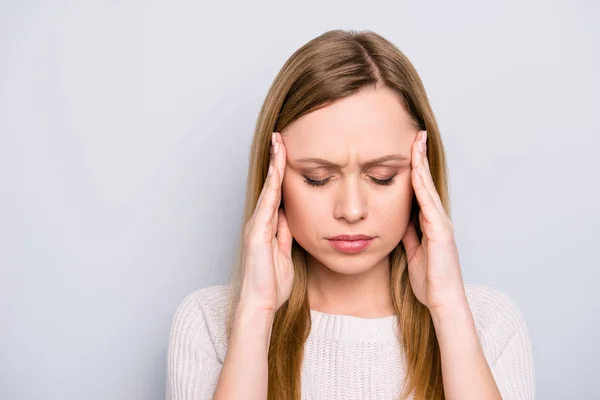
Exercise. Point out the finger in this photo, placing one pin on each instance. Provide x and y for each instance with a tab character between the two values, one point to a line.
274	219
259	203
429	184
427	178
423	194
262	224
284	235
250	222
275	215
271	162
279	156
278	159
410	240
421	223
426	203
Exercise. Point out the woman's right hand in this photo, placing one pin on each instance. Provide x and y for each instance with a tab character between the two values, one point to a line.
267	259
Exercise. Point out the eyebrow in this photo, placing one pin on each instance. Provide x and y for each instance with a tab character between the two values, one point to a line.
378	160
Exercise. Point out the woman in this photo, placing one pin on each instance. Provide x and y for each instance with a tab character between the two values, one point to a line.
348	283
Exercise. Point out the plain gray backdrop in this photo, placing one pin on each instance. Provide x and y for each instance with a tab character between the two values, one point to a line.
125	130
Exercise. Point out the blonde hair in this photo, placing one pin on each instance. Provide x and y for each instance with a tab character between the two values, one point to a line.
332	66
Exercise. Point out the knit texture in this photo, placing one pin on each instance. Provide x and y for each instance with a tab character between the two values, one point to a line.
345	357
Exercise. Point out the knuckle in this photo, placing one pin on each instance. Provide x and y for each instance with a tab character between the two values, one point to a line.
250	239
255	240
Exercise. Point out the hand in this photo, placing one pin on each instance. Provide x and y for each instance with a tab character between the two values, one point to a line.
433	265
268	267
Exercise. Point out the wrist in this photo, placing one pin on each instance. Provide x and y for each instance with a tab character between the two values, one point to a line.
253	321
451	313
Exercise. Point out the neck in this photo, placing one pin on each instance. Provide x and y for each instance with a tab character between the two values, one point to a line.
365	294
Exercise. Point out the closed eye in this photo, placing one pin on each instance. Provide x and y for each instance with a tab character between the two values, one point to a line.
382	182
313	182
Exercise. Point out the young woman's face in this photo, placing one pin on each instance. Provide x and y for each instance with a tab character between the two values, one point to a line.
353	196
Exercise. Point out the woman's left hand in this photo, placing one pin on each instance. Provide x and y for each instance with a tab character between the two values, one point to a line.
433	265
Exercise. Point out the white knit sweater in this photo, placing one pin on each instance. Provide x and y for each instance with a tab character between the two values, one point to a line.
345	357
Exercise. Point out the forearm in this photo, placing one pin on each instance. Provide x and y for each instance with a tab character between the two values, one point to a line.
466	374
245	369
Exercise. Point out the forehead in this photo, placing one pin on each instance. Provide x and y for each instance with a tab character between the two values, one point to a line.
368	122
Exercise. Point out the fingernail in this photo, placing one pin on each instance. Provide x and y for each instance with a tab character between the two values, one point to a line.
424	137
273	138
421	147
276	148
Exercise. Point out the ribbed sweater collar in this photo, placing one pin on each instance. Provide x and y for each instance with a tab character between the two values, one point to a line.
355	329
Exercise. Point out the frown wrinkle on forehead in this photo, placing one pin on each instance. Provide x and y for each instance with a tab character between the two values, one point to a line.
369	163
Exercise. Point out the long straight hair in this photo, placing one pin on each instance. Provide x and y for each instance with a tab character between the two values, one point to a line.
334	65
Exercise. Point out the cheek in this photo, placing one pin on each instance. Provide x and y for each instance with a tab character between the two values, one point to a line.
391	208
301	209
395	207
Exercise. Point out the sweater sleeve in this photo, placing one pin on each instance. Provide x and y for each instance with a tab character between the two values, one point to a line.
193	365
513	368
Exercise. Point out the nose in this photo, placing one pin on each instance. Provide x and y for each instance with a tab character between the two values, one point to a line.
350	201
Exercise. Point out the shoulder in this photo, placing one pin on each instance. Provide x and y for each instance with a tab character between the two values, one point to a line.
498	319
211	299
200	320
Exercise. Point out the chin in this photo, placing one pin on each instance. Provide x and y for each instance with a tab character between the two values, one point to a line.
349	264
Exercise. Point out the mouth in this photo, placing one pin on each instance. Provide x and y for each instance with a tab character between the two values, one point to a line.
350	237
350	243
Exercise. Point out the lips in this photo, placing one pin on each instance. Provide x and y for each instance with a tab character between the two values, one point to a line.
350	243
351	237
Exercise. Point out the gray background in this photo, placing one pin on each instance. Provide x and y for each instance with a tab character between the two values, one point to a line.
125	129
